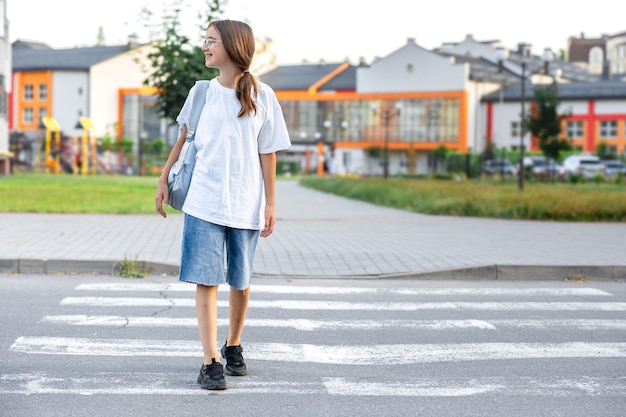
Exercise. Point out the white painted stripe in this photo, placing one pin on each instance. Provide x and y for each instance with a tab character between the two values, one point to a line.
400	354
136	286
345	387
185	287
145	384
579	324
346	305
511	386
531	292
333	290
179	384
309	325
128	302
297	324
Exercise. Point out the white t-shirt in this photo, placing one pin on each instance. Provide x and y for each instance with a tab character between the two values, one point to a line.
227	182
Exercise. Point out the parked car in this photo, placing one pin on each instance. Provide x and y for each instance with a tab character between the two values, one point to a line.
583	164
499	166
613	167
540	169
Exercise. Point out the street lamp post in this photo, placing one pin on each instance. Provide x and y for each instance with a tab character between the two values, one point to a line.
387	115
520	178
501	55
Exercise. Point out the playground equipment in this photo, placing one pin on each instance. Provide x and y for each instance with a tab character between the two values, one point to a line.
75	155
86	152
52	129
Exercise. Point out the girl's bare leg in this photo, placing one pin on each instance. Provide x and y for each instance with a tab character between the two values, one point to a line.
206	311
238	300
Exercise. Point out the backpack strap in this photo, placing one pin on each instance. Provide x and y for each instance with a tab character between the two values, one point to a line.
199	97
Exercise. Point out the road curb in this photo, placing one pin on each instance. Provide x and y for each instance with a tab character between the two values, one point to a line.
523	273
67	266
480	273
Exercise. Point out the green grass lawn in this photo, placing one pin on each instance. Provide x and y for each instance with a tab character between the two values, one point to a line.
496	199
41	193
62	193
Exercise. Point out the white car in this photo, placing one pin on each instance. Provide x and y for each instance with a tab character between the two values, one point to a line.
612	167
584	164
540	169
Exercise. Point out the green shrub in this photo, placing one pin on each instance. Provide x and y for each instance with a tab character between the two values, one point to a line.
106	143
598	178
126	144
375	152
286	167
576	178
155	146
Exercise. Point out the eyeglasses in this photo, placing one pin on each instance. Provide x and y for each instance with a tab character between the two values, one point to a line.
209	42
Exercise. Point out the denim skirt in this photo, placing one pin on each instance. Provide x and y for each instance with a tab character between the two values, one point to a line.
212	254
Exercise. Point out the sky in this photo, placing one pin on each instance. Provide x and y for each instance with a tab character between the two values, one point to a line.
326	30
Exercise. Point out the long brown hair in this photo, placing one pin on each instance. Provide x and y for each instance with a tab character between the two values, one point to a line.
238	40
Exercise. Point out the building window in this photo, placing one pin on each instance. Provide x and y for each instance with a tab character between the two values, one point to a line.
27	118
515	129
596	58
608	129
412	120
43	92
43	112
574	129
28	92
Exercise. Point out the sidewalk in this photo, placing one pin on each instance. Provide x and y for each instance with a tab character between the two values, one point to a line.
321	235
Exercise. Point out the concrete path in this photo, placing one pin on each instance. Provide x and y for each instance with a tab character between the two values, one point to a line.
322	235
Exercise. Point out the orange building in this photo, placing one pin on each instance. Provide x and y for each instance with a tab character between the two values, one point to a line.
385	118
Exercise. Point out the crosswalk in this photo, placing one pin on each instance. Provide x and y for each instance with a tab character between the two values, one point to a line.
338	326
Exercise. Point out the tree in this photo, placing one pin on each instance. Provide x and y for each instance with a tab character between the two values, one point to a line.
100	38
604	151
545	123
178	62
439	154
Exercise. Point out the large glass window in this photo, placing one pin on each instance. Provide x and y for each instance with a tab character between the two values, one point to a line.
574	129
408	120
608	129
43	92
27	116
28	92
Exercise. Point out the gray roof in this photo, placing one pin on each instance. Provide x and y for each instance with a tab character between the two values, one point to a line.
484	69
82	58
303	76
569	70
607	90
24	44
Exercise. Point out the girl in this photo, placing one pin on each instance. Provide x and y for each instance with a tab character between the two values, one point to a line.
230	202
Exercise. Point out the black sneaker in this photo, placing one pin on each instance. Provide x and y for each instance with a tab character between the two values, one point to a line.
212	376
235	366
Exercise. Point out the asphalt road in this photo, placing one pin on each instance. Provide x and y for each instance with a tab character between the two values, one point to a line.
98	345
